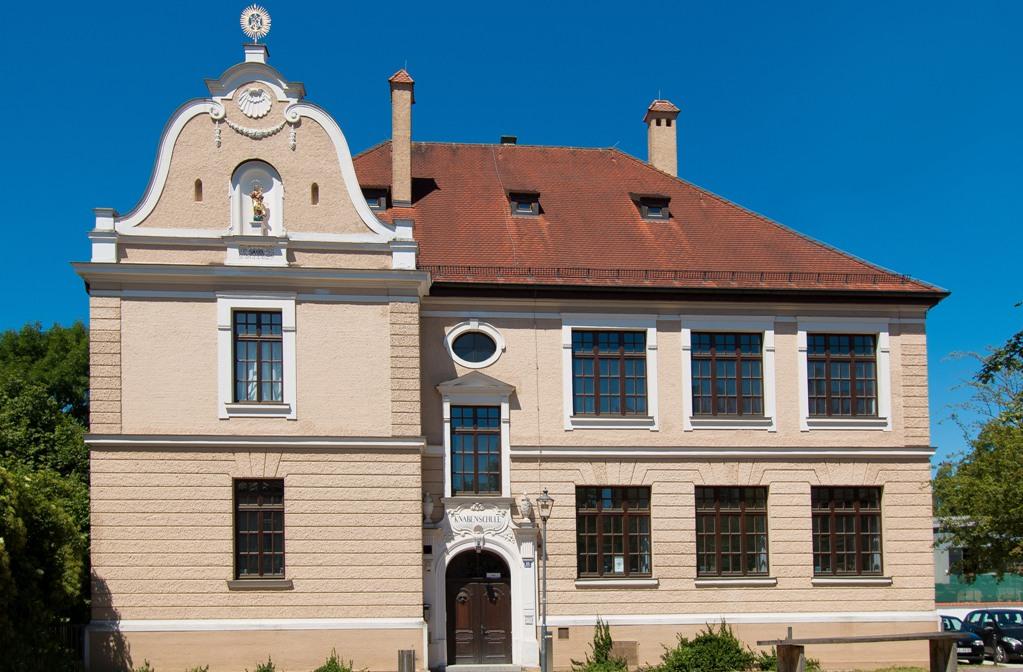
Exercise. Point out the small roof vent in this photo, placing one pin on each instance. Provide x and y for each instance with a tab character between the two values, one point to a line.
509	139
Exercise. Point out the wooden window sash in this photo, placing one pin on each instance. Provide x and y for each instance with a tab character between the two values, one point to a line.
475	432
596	356
263	557
852	359
858	514
739	357
626	513
745	512
258	339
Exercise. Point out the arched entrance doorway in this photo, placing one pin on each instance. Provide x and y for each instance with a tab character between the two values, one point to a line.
479	623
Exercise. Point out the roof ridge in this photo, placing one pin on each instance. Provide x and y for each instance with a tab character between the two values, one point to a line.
784	227
502	144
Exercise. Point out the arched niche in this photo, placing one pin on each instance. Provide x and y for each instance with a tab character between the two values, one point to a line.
244	182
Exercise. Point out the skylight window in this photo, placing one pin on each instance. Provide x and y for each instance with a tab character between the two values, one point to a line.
652	206
525	204
376	198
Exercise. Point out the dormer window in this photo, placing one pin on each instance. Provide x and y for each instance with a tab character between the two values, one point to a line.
652	206
523	203
376	198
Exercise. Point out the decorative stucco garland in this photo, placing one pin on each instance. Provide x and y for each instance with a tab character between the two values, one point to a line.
218	114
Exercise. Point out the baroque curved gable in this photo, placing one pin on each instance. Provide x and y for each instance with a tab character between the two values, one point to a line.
253	113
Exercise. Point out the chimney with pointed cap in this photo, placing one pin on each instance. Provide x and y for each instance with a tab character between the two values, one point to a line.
402	99
662	149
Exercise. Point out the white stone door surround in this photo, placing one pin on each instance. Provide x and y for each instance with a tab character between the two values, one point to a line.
486	523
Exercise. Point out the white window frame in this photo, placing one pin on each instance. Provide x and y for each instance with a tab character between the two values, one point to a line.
742	324
585	322
496	398
474	324
227	304
838	325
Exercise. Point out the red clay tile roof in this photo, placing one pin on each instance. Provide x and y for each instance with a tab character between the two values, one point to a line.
590	231
401	77
661	106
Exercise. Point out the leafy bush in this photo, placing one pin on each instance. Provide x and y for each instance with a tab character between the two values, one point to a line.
268	666
199	668
145	667
335	664
712	650
600	659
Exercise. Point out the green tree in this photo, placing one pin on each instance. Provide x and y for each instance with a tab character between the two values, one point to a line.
978	498
42	566
56	358
979	501
44	492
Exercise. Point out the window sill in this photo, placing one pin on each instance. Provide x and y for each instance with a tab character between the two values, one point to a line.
612	422
736	582
260	584
617	583
251	410
852	580
846	423
731	422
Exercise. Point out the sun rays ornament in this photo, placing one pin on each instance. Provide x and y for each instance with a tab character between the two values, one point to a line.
255	22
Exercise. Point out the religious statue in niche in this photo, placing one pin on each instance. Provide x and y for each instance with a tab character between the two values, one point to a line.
258	206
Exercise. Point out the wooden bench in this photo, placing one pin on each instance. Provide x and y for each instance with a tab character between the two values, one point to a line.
791	657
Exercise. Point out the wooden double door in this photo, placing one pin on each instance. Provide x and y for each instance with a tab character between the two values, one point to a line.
478	610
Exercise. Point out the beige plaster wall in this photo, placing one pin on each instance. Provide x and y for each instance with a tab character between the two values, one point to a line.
170	371
533	364
906	534
196	156
292	650
162	534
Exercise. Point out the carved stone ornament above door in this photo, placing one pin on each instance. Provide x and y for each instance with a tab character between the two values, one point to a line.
480	519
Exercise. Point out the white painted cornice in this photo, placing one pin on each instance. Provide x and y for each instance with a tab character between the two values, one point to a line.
281	278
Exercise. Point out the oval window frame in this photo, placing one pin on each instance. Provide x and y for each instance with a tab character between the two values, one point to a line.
466	327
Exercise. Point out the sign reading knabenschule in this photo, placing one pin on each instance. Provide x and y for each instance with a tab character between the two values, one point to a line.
479	519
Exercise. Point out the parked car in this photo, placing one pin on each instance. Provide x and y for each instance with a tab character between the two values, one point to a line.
1001	630
969	647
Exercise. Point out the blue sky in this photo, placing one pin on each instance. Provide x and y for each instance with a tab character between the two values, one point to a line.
890	130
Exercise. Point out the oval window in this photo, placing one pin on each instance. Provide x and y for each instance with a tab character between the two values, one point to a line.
474	346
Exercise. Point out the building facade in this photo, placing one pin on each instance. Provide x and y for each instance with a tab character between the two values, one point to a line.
328	389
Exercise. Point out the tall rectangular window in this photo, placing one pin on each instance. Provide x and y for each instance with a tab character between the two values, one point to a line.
259	528
475	450
841	374
258	356
846	531
613	531
731	531
728	374
609	373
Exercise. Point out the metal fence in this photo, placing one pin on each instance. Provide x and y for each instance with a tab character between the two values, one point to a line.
985	589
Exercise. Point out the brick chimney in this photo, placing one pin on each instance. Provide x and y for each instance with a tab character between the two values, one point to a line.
661	146
402	99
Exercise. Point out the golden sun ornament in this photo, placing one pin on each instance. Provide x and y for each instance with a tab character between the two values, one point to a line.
255	22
